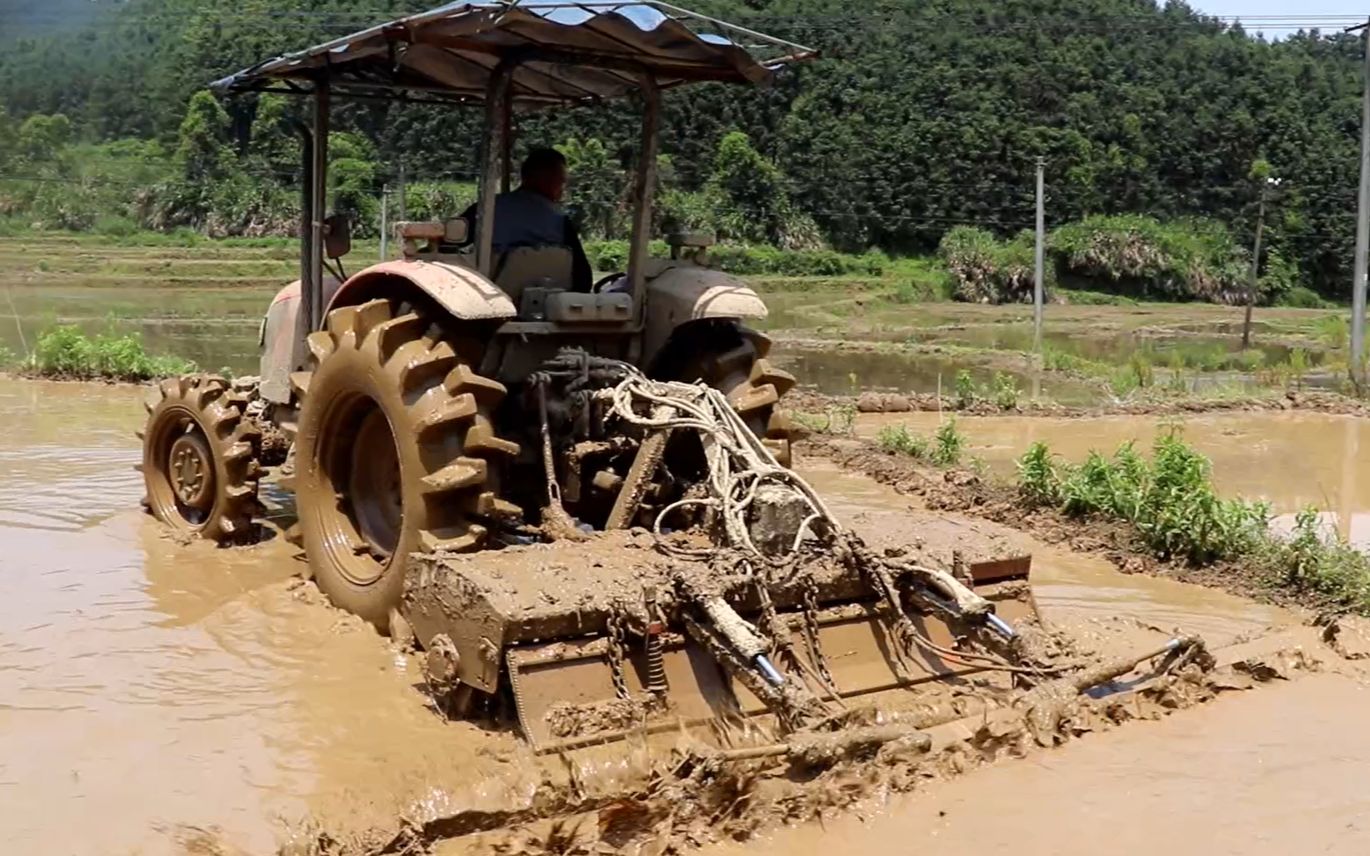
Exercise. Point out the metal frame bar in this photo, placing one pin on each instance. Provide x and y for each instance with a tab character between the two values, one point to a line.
646	183
496	100
303	326
313	295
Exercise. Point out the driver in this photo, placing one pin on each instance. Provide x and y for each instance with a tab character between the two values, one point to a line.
531	216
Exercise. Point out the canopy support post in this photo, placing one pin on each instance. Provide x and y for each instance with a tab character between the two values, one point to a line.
300	353
318	176
507	139
645	190
496	107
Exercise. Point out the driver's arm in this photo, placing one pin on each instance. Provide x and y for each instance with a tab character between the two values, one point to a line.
582	277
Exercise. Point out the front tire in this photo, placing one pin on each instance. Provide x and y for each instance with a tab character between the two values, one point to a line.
395	454
200	465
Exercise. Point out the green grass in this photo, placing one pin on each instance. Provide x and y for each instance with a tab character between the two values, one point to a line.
836	420
1171	503
1169	499
945	448
66	352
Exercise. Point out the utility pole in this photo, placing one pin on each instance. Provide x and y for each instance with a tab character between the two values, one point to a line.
1255	265
403	214
1038	287
385	225
1362	220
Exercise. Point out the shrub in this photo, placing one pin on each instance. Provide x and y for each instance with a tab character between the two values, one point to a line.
1005	391
964	392
1186	259
987	270
1302	297
1038	479
947	444
899	440
66	352
1169	500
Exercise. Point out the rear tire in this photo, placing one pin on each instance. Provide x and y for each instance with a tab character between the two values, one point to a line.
396	452
732	359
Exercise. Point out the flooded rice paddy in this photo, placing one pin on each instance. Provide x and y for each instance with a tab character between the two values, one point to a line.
156	693
160	697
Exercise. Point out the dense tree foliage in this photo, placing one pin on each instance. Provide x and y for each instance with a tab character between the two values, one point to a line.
918	117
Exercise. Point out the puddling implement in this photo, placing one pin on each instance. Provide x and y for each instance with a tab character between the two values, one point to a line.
743	597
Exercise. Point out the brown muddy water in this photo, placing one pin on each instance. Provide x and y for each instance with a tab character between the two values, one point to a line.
1289	459
164	698
1273	772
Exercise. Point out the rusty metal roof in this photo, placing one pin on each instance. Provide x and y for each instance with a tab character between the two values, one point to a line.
565	52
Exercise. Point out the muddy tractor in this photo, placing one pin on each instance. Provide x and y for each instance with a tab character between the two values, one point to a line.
442	417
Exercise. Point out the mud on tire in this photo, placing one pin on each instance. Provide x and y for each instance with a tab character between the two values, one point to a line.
732	359
395	453
200	465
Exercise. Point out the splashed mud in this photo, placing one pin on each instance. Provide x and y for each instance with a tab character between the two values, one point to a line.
161	697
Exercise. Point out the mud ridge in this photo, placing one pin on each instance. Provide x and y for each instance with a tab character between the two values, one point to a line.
1308	401
973	494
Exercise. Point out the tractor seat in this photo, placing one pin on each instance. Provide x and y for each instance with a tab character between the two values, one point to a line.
546	267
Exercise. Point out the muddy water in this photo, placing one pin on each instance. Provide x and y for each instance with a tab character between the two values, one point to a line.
1290	460
158	697
152	693
1272	772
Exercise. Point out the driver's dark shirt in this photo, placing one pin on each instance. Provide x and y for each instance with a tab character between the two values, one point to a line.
524	218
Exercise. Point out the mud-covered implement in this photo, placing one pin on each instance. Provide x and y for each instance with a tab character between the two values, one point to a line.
777	611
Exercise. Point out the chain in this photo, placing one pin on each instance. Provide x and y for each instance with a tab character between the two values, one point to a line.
549	468
771	625
614	652
810	610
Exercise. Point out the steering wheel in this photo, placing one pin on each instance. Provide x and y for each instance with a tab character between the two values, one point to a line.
605	280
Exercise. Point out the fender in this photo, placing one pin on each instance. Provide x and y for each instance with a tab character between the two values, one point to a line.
681	295
460	291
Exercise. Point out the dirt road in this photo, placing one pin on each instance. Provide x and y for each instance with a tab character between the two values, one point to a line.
158	697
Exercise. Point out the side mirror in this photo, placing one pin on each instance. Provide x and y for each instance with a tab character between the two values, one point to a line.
337	236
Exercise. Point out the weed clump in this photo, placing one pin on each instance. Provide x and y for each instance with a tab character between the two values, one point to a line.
1169	499
835	420
66	352
944	449
1327	565
899	440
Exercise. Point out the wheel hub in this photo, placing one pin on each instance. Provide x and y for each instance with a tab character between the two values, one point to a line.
191	473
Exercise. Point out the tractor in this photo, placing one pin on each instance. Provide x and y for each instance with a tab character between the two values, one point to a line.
441	415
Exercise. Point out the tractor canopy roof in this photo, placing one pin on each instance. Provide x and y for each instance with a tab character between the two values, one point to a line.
561	52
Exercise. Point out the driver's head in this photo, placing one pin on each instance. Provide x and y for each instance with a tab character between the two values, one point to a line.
544	173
